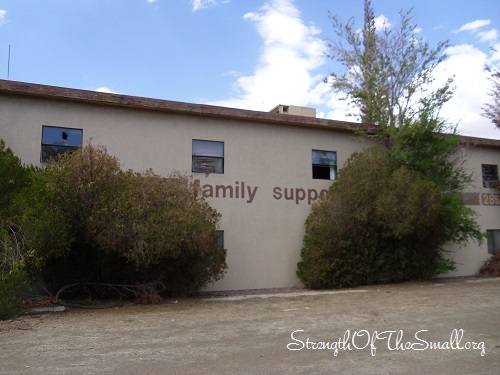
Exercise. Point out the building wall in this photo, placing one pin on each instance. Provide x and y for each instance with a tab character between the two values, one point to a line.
267	166
270	166
471	256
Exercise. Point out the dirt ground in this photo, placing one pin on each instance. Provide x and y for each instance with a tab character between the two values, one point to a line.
440	327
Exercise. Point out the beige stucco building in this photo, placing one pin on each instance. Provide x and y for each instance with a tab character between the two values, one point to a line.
261	170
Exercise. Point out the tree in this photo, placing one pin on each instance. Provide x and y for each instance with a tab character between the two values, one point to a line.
389	77
388	71
378	223
492	110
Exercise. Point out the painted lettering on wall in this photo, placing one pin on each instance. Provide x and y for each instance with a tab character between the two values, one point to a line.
247	192
297	194
239	191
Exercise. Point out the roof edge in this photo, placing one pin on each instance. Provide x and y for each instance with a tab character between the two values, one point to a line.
136	102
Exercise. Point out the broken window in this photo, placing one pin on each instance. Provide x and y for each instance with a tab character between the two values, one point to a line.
324	165
57	140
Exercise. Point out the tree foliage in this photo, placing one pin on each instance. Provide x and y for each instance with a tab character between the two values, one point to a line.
379	223
492	110
388	70
13	250
405	205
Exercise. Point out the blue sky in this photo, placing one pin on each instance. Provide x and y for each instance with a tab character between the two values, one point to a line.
251	54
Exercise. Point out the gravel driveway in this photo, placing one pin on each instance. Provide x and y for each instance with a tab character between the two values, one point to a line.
440	327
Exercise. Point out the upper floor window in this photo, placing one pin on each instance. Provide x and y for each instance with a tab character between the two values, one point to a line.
57	140
490	174
208	156
324	165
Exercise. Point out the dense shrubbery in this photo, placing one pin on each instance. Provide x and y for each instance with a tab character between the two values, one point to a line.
13	276
379	223
160	226
13	283
83	220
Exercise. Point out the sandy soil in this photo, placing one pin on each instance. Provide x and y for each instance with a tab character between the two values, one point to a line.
370	330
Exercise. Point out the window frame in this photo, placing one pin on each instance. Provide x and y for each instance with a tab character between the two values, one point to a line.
213	163
319	169
67	145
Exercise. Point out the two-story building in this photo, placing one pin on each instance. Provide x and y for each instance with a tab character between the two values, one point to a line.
261	170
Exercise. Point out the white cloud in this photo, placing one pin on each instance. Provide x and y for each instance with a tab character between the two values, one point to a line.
3	16
382	22
495	54
202	4
106	90
152	1
474	25
290	53
466	62
488	36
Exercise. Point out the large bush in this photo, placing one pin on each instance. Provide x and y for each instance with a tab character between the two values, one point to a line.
120	227
379	223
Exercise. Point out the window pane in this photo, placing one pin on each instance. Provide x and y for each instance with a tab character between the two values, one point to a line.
490	173
493	241
208	148
52	135
324	157
321	172
220	239
203	164
49	151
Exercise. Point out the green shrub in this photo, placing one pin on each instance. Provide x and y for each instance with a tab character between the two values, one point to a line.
12	283
122	227
377	224
14	177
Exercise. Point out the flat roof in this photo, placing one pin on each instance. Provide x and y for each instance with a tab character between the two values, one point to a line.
142	103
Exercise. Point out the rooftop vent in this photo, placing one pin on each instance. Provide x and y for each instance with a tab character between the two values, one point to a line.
294	110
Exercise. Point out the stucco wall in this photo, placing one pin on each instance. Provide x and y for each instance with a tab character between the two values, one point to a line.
471	256
262	229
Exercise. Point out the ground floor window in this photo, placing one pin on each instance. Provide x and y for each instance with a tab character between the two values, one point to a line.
324	165
493	236
57	140
220	239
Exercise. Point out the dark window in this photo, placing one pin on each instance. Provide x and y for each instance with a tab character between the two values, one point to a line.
56	140
490	174
493	237
220	239
324	165
208	157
